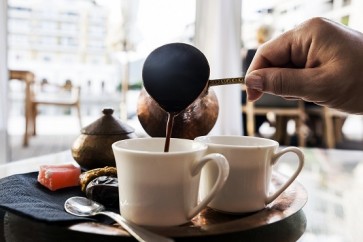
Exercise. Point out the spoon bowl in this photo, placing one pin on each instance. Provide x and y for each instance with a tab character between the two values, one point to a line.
84	207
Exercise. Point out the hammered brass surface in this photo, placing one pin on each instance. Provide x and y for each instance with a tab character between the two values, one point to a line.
196	120
95	151
92	148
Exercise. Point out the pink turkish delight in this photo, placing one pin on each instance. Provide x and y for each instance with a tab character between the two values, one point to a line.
55	177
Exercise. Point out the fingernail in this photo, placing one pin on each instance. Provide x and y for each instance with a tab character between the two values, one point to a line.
254	82
253	95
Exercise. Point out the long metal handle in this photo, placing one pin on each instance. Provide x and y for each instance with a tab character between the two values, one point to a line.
226	81
136	231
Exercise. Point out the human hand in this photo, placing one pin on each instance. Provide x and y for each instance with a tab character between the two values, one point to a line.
319	61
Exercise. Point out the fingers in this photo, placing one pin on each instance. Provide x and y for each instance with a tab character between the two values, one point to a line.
280	52
254	84
318	61
292	65
290	83
275	52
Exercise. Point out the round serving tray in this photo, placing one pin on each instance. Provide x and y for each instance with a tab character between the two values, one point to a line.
212	223
282	220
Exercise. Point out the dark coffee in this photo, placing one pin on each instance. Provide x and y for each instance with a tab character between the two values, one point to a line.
169	130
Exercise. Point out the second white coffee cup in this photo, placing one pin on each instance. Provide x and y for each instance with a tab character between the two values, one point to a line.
251	160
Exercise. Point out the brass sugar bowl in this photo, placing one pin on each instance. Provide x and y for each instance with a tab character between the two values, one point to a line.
92	149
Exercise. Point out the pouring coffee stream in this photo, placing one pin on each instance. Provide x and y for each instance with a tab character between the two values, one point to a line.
177	74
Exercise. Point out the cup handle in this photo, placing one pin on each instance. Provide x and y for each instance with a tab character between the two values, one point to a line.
275	158
223	171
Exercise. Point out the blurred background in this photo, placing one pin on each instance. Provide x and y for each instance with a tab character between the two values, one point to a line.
99	46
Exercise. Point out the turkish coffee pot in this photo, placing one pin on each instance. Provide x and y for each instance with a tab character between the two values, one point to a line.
176	81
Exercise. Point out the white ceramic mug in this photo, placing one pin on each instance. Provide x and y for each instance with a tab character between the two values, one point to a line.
158	188
250	160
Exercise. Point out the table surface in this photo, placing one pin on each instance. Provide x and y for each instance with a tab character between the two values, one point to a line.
333	179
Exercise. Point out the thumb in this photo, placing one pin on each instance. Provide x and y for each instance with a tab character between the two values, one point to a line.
284	82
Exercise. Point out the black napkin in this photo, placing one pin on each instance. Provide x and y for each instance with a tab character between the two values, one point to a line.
23	195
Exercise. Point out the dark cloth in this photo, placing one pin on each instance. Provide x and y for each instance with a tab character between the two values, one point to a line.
23	195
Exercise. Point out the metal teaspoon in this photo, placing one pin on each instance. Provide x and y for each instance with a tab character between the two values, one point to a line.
84	207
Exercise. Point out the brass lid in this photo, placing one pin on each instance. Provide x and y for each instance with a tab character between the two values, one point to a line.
107	125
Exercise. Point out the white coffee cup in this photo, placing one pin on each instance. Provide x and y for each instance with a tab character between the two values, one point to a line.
248	185
158	188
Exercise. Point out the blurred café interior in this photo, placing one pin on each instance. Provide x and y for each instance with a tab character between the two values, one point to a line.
63	61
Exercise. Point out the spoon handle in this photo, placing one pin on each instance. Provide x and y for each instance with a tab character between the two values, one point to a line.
225	81
136	231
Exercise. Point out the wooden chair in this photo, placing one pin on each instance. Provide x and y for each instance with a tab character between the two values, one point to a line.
28	78
332	122
33	99
53	95
283	109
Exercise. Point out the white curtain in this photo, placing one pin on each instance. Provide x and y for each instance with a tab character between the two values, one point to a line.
3	85
218	36
355	20
123	37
